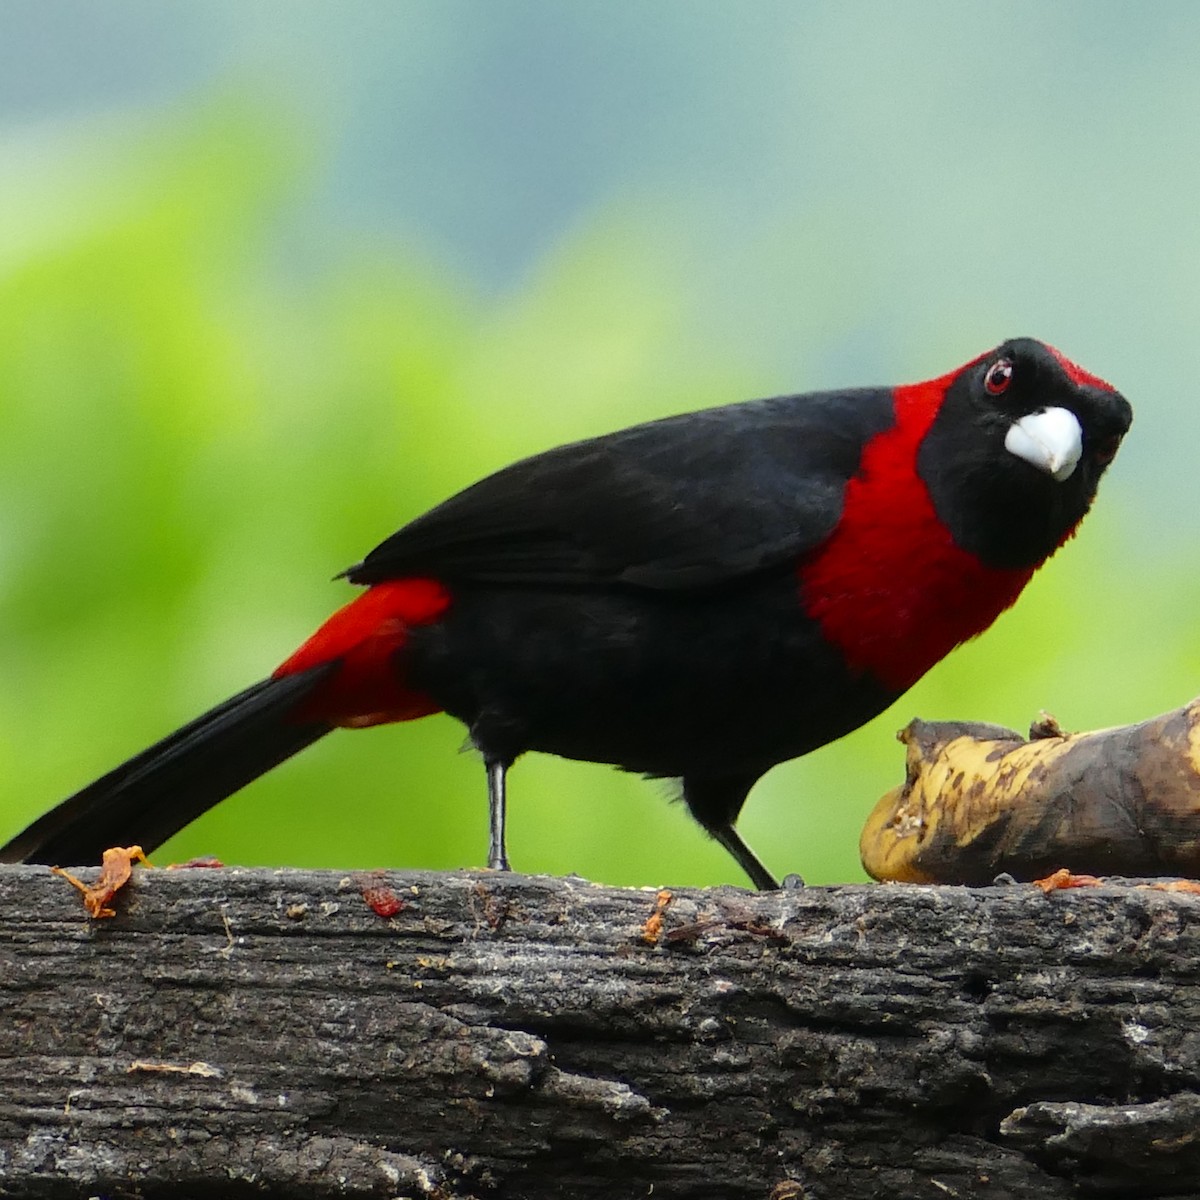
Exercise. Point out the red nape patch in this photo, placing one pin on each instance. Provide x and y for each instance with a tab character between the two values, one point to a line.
889	587
1077	375
366	635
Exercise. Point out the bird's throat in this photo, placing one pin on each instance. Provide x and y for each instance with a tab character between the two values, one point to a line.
890	587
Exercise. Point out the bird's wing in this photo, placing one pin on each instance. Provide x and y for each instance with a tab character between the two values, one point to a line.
687	502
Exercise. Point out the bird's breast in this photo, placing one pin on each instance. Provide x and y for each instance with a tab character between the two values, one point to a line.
889	587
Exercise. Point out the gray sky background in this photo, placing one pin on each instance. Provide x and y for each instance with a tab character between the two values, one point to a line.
854	192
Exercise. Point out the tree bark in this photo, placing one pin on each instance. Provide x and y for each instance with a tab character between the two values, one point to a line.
269	1033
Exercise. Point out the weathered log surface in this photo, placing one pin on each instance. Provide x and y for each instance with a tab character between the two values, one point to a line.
247	1033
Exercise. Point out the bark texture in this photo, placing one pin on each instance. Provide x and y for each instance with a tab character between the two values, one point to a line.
269	1033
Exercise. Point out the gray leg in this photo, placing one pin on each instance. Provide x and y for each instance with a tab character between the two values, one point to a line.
745	857
497	855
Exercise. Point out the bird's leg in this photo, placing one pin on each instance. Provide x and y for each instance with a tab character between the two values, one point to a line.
745	857
715	802
497	768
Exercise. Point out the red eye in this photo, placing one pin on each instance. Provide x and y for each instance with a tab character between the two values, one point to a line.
998	377
1106	450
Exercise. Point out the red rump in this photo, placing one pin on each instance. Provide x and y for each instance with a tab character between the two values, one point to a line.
366	637
889	587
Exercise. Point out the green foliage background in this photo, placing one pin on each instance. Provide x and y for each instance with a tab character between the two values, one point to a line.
193	440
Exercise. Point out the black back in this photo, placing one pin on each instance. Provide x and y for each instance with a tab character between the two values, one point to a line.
692	501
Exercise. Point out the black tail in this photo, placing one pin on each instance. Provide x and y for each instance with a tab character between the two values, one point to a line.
155	794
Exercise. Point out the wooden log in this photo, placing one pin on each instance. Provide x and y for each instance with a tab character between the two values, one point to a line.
269	1033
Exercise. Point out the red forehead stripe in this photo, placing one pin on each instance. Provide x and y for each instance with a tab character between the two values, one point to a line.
1076	374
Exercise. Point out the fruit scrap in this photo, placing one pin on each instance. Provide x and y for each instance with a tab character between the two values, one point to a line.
980	800
382	901
379	898
1189	887
652	929
1062	878
115	870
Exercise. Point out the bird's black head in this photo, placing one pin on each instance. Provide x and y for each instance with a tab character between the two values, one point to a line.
1015	453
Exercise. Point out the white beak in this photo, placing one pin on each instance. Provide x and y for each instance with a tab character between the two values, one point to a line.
1051	440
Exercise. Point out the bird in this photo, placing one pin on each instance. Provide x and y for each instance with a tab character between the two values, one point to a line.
699	598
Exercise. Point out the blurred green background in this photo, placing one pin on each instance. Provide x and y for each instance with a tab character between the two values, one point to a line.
275	277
